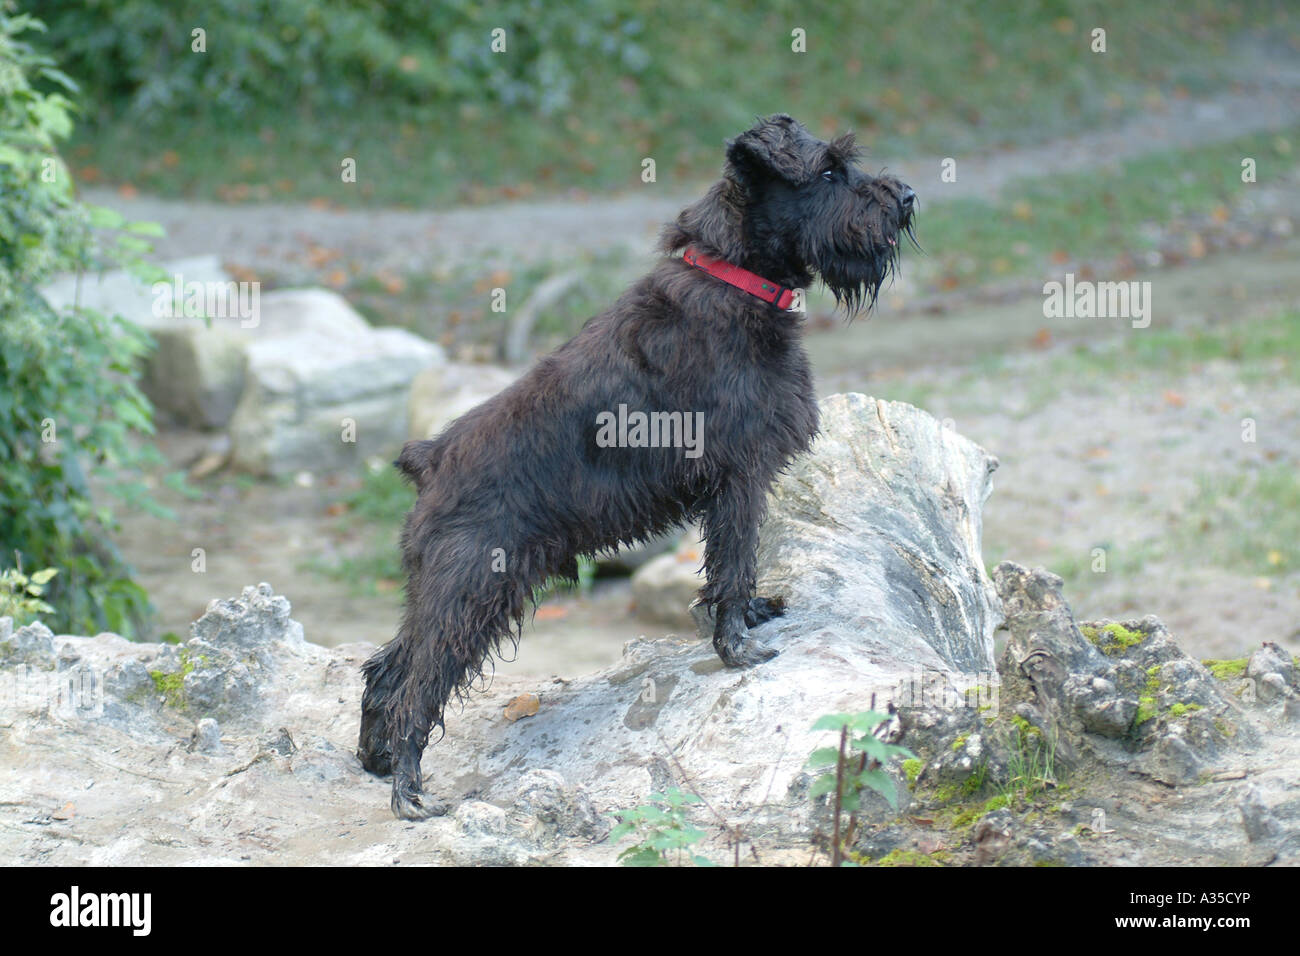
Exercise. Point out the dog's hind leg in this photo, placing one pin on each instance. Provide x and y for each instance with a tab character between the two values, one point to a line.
731	521
393	738
457	614
383	674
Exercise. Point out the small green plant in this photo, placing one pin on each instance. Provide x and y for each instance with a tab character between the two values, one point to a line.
1226	670
664	836
1113	638
855	765
20	594
1031	763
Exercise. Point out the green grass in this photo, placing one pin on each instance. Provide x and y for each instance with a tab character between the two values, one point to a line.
1249	523
1097	214
1265	348
911	76
377	506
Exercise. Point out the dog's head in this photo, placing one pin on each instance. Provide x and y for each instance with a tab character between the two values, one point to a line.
791	206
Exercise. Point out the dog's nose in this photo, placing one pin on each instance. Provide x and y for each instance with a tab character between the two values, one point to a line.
908	198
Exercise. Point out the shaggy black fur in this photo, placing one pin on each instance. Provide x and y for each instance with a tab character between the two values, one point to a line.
522	480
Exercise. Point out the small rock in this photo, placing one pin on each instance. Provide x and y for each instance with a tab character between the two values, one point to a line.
1173	762
992	835
206	737
1259	822
1272	670
32	644
280	743
477	818
253	621
1272	686
664	587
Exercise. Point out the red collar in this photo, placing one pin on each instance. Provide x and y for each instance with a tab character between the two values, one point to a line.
778	295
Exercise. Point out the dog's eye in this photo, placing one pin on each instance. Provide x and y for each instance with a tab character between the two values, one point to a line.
828	175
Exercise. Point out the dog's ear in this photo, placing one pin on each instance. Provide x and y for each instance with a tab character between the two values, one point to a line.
771	148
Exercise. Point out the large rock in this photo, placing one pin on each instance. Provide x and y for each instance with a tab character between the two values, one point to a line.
323	389
874	539
444	392
665	586
1165	761
216	338
196	374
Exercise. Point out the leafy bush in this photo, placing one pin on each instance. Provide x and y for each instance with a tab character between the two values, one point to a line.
331	54
854	766
20	594
69	404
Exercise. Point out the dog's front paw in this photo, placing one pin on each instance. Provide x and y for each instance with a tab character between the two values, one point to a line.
763	609
733	645
410	803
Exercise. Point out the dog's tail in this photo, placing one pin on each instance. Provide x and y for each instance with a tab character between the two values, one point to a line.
417	461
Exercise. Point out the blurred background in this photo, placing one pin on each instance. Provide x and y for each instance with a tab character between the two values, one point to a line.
422	215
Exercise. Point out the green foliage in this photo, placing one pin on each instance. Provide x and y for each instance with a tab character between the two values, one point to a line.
414	90
333	54
663	834
1227	670
1113	638
1031	763
857	764
20	594
69	404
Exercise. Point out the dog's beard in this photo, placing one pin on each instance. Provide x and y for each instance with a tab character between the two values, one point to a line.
855	282
856	279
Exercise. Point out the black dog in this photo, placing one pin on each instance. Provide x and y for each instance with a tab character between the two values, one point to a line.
512	492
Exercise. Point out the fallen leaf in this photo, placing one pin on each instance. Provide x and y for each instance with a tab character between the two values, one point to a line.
551	612
318	256
525	705
66	812
393	284
1174	399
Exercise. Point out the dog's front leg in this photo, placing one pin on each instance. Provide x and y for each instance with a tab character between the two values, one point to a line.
731	523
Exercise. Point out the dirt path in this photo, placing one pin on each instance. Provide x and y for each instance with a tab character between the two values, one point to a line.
274	238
